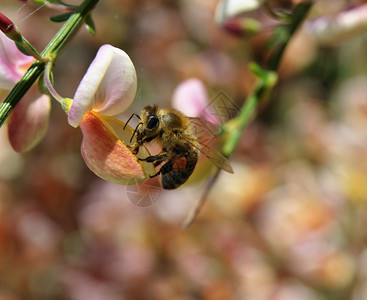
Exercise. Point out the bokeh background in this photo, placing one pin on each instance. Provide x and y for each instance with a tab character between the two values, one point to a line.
291	223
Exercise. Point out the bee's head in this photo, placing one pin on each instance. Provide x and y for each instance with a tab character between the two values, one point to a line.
150	118
150	122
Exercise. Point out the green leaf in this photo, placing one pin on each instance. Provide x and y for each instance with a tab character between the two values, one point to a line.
267	76
22	49
39	2
89	24
58	2
256	69
61	18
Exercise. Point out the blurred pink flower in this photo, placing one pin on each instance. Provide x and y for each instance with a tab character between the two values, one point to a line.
28	122
191	98
13	63
107	89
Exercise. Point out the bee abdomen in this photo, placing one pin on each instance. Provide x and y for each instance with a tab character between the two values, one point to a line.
175	173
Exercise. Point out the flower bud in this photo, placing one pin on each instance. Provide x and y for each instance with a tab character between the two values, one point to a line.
8	27
239	17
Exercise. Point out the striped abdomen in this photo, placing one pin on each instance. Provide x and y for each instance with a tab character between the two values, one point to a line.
177	171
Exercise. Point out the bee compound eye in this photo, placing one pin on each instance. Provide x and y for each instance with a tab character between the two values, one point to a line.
152	122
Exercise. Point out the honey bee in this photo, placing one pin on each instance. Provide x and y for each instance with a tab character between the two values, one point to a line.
179	136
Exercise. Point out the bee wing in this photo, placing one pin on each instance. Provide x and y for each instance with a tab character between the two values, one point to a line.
203	128
214	156
205	132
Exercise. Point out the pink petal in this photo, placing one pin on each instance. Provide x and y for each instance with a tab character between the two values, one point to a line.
28	122
109	86
13	63
191	98
124	133
106	155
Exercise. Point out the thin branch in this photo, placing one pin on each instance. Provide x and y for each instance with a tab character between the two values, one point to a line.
267	79
70	27
199	204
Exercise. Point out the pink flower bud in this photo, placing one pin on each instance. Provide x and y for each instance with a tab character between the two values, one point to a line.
8	27
28	122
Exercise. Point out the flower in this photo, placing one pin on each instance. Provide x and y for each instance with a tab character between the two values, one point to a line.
13	63
107	89
9	28
240	17
28	122
191	98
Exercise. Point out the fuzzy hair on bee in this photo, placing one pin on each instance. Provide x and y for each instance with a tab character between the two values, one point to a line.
181	147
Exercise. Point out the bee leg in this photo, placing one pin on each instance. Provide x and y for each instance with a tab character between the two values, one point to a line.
135	130
157	163
155	158
135	150
139	143
133	146
155	175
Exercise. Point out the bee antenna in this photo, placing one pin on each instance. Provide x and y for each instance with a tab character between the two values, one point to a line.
134	114
135	130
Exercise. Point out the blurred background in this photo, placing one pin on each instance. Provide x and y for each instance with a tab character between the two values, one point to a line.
289	224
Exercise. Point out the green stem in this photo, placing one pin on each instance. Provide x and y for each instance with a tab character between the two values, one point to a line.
51	51
47	78
262	91
298	16
266	82
239	124
31	50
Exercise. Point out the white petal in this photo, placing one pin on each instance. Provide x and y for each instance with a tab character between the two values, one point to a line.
109	86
